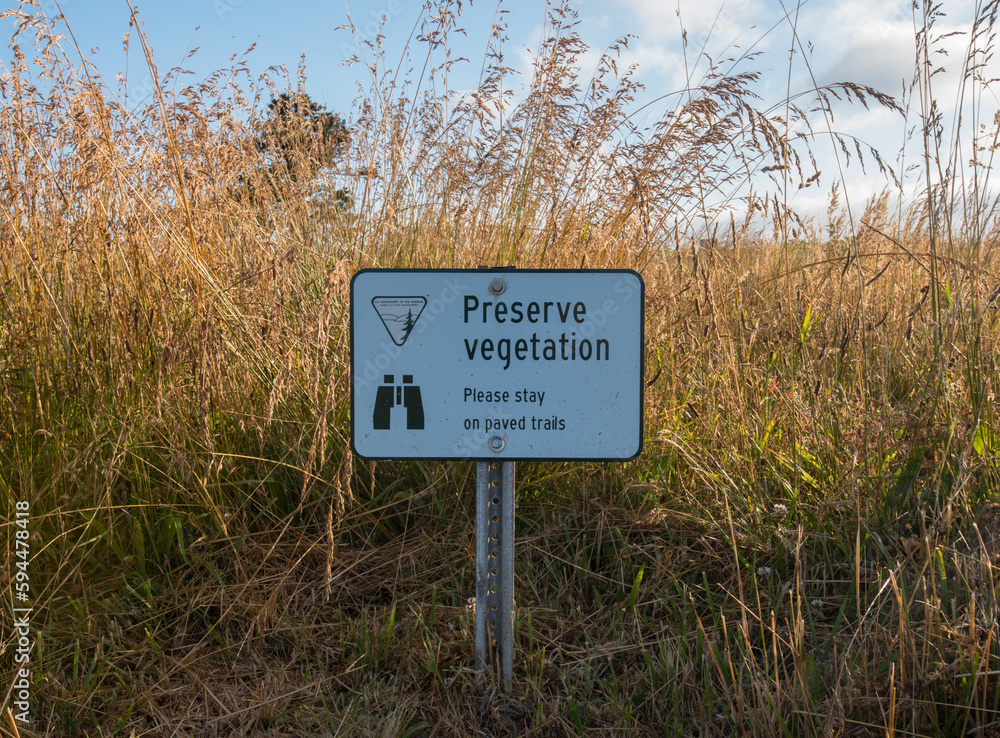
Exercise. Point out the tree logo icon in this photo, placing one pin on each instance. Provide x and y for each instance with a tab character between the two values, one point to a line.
399	315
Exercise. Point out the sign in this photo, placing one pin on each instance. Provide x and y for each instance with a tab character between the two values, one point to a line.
499	365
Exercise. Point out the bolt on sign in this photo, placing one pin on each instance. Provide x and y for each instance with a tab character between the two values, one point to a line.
497	365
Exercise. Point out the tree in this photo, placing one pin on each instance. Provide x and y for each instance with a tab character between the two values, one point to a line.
297	140
408	325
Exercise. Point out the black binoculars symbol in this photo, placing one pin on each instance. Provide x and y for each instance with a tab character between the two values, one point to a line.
390	395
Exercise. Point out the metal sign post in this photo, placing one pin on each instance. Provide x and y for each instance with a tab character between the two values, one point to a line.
497	366
495	566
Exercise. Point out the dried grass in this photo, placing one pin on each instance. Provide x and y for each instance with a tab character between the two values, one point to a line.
805	547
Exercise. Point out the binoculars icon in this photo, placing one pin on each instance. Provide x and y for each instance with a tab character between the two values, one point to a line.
390	395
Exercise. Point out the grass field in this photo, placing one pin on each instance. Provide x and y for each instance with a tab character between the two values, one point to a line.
805	546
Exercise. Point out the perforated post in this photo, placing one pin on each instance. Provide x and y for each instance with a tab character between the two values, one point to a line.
495	567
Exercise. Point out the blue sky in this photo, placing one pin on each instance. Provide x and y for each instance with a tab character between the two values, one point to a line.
865	41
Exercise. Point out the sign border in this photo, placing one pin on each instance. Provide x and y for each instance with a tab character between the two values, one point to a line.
508	271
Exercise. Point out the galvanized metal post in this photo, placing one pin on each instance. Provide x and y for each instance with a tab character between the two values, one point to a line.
495	567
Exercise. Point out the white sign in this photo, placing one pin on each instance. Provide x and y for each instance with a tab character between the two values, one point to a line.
490	364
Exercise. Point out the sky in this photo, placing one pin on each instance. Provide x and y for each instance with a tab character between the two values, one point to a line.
865	41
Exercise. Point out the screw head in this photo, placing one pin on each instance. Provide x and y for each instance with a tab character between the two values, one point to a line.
497	286
496	444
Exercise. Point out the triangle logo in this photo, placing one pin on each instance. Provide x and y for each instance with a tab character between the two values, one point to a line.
399	315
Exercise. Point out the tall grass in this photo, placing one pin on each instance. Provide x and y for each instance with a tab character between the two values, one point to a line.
805	547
